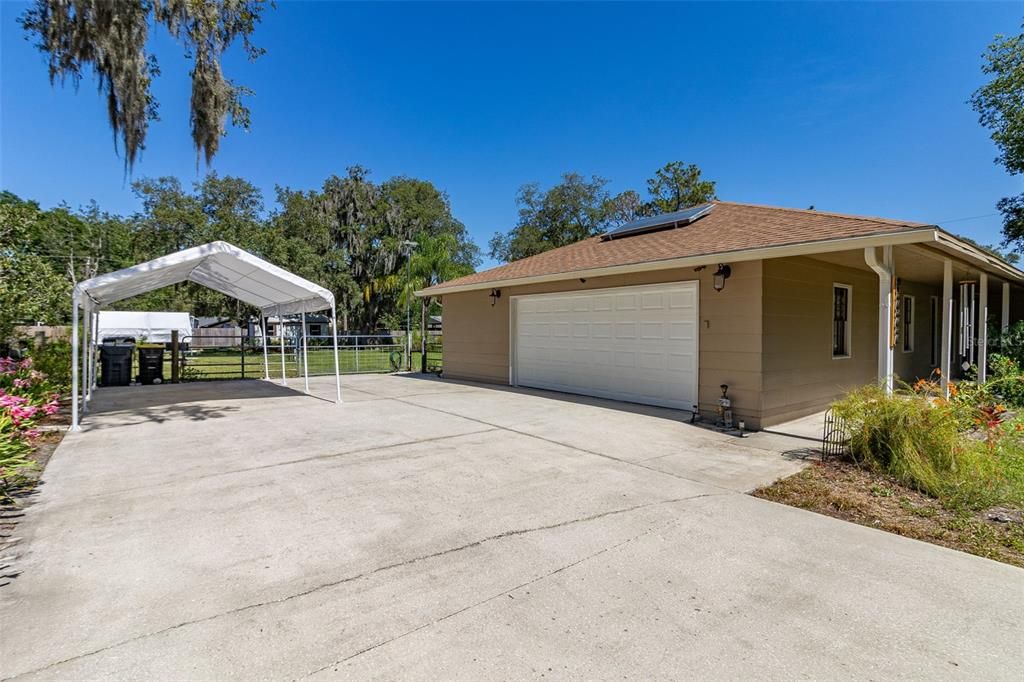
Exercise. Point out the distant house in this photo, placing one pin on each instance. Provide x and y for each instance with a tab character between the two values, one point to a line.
202	322
316	325
788	308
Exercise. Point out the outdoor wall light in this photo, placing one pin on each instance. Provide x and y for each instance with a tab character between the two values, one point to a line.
495	295
720	275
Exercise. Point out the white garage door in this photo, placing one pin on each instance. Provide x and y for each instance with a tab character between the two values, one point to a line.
637	344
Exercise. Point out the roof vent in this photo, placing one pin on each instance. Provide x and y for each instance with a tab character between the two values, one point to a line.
660	222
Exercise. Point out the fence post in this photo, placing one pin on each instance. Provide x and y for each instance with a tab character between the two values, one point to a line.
357	353
241	347
174	356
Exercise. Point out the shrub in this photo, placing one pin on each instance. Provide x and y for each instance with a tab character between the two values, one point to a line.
1007	380
962	451
54	360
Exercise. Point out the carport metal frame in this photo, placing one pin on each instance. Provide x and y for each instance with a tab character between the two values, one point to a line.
218	266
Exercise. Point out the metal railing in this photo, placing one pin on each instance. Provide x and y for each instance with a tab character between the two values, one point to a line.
835	437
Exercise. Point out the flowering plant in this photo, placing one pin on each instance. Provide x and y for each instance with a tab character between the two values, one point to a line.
25	397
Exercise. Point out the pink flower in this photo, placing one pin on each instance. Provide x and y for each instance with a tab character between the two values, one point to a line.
20	414
32	434
22	383
26	363
51	407
8	400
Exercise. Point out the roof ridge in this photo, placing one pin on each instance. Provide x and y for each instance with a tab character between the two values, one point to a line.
834	214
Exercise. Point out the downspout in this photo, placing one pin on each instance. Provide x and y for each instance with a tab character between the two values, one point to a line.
884	269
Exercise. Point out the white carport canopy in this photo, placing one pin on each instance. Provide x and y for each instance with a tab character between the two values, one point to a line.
219	266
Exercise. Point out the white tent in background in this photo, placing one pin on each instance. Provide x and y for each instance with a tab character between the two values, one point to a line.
218	266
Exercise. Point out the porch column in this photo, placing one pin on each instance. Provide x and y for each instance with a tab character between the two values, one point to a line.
884	269
1006	307
982	328
946	351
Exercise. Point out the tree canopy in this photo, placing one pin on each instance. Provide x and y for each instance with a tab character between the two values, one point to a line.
578	207
348	237
110	39
1000	107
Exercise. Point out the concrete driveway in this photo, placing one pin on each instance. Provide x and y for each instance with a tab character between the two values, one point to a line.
431	529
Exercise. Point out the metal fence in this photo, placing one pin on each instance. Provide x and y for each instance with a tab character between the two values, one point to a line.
231	356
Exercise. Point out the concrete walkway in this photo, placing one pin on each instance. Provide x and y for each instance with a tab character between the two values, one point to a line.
431	529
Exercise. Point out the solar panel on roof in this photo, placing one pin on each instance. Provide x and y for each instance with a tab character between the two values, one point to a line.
660	222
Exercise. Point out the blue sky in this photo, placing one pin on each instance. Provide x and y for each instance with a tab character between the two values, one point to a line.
850	107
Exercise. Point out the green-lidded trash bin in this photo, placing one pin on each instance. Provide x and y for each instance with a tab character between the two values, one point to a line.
116	364
151	363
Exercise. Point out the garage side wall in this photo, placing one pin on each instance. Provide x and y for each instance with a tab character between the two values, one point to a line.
800	375
476	334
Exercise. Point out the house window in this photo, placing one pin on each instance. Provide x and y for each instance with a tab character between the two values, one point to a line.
315	330
936	330
907	324
841	320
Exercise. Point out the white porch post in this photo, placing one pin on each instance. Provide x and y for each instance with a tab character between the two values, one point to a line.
1006	307
263	334
280	333
946	351
337	368
75	426
885	330
305	355
983	328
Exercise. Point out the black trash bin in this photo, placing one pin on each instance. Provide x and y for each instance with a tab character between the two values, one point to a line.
116	364
151	364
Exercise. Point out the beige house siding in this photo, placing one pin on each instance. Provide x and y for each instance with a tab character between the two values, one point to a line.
476	334
800	376
917	364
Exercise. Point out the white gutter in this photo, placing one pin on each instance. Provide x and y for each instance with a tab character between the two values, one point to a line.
917	236
973	253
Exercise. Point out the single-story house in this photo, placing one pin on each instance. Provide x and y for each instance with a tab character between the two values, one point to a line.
316	325
789	308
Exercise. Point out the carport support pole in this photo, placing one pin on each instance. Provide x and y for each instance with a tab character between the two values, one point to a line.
263	334
280	332
75	426
86	323
305	355
337	369
95	346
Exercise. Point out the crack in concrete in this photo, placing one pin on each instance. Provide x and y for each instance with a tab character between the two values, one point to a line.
491	598
572	447
360	576
346	453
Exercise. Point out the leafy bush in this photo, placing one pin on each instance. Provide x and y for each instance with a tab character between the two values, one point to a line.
1007	380
1009	343
963	451
54	360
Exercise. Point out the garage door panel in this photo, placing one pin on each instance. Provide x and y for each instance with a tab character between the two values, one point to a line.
638	345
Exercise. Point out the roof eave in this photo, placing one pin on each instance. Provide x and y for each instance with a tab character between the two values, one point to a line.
913	236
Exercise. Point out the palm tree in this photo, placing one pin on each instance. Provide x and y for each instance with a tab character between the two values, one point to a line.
431	263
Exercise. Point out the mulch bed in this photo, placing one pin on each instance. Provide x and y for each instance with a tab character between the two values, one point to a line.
845	491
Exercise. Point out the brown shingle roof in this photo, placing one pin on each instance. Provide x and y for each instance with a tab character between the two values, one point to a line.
728	227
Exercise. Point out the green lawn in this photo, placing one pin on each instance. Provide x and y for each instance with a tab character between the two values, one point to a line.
228	364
